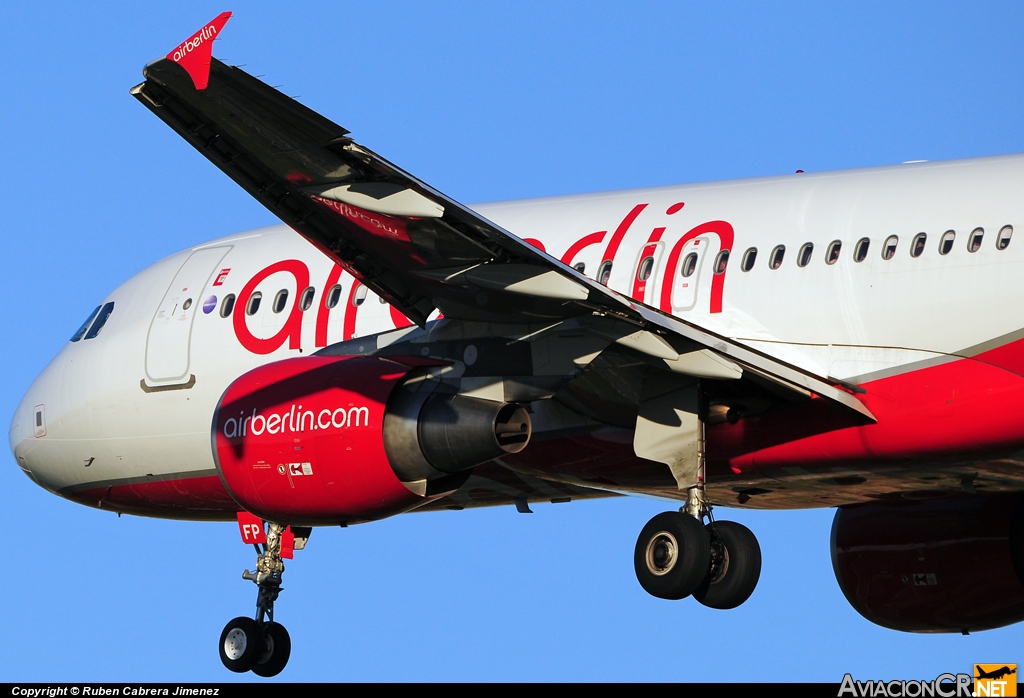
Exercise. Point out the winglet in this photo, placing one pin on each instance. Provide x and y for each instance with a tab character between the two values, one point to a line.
194	54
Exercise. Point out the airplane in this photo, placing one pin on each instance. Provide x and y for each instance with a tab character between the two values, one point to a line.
769	343
995	673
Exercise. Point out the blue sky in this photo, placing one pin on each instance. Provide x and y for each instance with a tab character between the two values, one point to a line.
485	101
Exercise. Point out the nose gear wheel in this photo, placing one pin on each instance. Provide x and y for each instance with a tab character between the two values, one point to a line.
241	644
277	647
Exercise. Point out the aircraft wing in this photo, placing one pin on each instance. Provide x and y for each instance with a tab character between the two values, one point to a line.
493	485
412	245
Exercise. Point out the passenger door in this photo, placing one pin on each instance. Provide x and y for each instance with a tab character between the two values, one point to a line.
170	332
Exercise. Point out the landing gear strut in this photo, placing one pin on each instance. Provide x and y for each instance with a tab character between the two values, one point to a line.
261	645
676	556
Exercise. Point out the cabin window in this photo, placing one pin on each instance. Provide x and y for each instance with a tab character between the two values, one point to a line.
775	261
187	304
690	264
721	261
804	258
917	246
832	254
1003	241
946	241
227	305
100	321
254	303
604	274
646	267
581	267
85	325
889	247
360	295
332	297
380	299
860	252
749	257
974	242
306	302
280	300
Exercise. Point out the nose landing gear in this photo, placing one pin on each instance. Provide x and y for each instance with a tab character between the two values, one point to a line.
718	564
261	645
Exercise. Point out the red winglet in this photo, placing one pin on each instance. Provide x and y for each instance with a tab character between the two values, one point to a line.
195	53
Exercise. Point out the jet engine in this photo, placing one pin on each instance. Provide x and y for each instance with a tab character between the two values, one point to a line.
942	565
329	440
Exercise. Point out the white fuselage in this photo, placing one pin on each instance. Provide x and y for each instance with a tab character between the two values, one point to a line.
136	401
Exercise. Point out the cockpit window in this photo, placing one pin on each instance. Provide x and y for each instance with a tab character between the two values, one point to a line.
85	325
100	321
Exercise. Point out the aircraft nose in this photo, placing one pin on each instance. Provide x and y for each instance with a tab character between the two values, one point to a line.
20	435
28	431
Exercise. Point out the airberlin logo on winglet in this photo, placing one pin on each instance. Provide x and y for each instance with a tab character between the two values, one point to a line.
195	53
204	34
295	420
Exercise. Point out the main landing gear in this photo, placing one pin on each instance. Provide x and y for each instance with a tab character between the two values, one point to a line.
677	556
261	645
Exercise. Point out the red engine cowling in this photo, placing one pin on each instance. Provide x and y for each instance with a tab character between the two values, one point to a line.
944	565
300	441
327	439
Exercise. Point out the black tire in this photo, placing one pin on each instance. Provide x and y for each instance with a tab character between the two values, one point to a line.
734	581
241	644
277	648
672	555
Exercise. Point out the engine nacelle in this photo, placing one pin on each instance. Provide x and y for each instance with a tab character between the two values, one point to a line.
943	565
315	440
430	433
